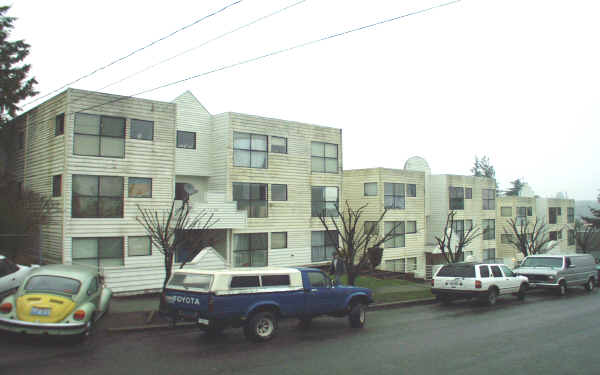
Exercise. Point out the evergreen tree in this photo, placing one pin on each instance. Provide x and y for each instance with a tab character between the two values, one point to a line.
593	220
14	85
517	185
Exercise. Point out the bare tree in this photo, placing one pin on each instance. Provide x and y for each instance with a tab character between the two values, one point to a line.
177	226
584	235
356	239
529	238
452	248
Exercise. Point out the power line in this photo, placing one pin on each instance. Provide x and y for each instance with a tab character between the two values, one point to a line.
277	52
203	44
136	51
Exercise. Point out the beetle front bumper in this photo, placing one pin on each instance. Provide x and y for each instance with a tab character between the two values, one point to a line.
19	326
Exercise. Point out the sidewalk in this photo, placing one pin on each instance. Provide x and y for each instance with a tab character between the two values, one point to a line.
138	313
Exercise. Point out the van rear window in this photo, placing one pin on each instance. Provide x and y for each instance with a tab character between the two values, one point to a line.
457	270
191	280
275	280
244	282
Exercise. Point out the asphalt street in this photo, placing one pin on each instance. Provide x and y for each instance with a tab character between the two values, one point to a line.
544	334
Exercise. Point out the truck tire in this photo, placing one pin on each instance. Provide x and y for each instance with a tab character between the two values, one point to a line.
261	327
492	297
589	286
357	315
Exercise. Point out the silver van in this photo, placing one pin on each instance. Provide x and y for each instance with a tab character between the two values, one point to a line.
559	271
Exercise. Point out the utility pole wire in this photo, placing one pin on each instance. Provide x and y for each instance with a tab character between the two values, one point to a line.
135	52
277	52
202	44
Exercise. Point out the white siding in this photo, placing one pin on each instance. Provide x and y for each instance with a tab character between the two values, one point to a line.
193	117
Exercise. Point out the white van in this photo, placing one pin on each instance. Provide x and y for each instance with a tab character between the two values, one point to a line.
559	271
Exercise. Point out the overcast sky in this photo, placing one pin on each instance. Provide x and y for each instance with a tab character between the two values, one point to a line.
516	80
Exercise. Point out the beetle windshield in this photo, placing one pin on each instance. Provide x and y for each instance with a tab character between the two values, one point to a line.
542	262
56	284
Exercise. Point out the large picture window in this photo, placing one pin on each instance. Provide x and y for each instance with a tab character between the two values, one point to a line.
250	249
250	150
489	199
97	196
324	200
97	135
251	198
324	157
394	196
98	252
323	245
457	198
398	238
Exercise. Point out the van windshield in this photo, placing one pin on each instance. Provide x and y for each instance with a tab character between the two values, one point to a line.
543	262
191	280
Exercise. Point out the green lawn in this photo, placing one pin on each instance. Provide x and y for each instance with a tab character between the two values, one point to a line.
383	289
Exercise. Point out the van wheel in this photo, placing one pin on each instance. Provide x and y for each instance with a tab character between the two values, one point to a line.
358	315
261	326
589	286
492	297
562	288
522	292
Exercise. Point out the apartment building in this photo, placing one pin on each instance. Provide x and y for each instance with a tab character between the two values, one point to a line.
473	199
559	216
402	193
520	209
100	156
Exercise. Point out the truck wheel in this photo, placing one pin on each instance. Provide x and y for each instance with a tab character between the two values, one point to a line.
261	326
562	288
589	286
358	315
522	292
492	296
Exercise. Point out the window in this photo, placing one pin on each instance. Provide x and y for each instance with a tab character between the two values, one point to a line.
571	237
96	135
59	124
394	196
139	246
411	227
507	271
140	187
506	238
324	157
411	190
398	237
411	264
570	215
506	211
468	193
489	199
279	145
279	240
371	225
458	226
323	244
553	213
558	211
97	196
98	252
457	198
489	229
180	193
249	150
279	192
142	129
318	280
489	254
484	271
275	280
496	270
250	249
324	201
93	289
529	211
244	282
521	215
553	235
186	140
57	185
370	189
251	198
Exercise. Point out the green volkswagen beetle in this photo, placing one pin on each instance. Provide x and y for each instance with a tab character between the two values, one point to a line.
56	300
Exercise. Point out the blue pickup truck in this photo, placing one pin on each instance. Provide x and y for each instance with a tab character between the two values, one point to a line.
257	298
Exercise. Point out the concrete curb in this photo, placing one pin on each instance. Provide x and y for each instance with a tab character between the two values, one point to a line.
148	327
